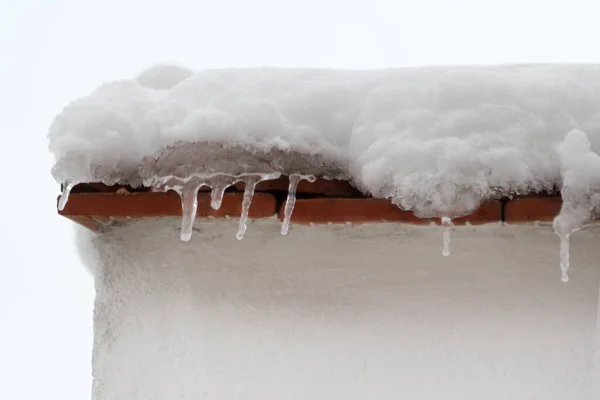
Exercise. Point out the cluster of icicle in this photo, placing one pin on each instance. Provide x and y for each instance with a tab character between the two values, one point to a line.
189	187
188	191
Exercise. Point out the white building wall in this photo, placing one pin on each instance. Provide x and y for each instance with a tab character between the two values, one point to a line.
343	312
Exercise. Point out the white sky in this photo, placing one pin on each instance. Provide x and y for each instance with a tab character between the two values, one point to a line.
52	51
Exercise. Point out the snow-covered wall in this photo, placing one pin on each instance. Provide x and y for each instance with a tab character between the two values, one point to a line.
343	312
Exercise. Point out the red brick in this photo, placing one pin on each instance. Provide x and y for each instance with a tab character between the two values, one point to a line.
339	210
100	206
530	209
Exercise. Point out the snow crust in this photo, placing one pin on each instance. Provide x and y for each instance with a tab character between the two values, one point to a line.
434	140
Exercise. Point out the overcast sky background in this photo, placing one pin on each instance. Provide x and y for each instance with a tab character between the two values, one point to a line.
53	51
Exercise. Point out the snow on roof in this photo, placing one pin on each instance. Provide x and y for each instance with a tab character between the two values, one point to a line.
434	140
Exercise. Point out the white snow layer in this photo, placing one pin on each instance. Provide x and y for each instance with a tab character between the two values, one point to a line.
434	140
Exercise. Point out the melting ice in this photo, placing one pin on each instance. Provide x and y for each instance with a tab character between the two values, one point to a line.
291	199
64	198
447	226
580	171
251	182
564	257
218	185
189	206
188	190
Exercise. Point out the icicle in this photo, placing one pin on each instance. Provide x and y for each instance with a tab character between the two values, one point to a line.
248	194
564	257
189	206
64	198
251	181
447	225
564	225
291	200
217	196
218	185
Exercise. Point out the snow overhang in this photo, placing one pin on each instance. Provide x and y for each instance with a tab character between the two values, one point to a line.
412	145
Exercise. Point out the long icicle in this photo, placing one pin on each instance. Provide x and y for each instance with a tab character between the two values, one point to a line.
564	257
189	207
64	198
291	200
248	194
447	226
